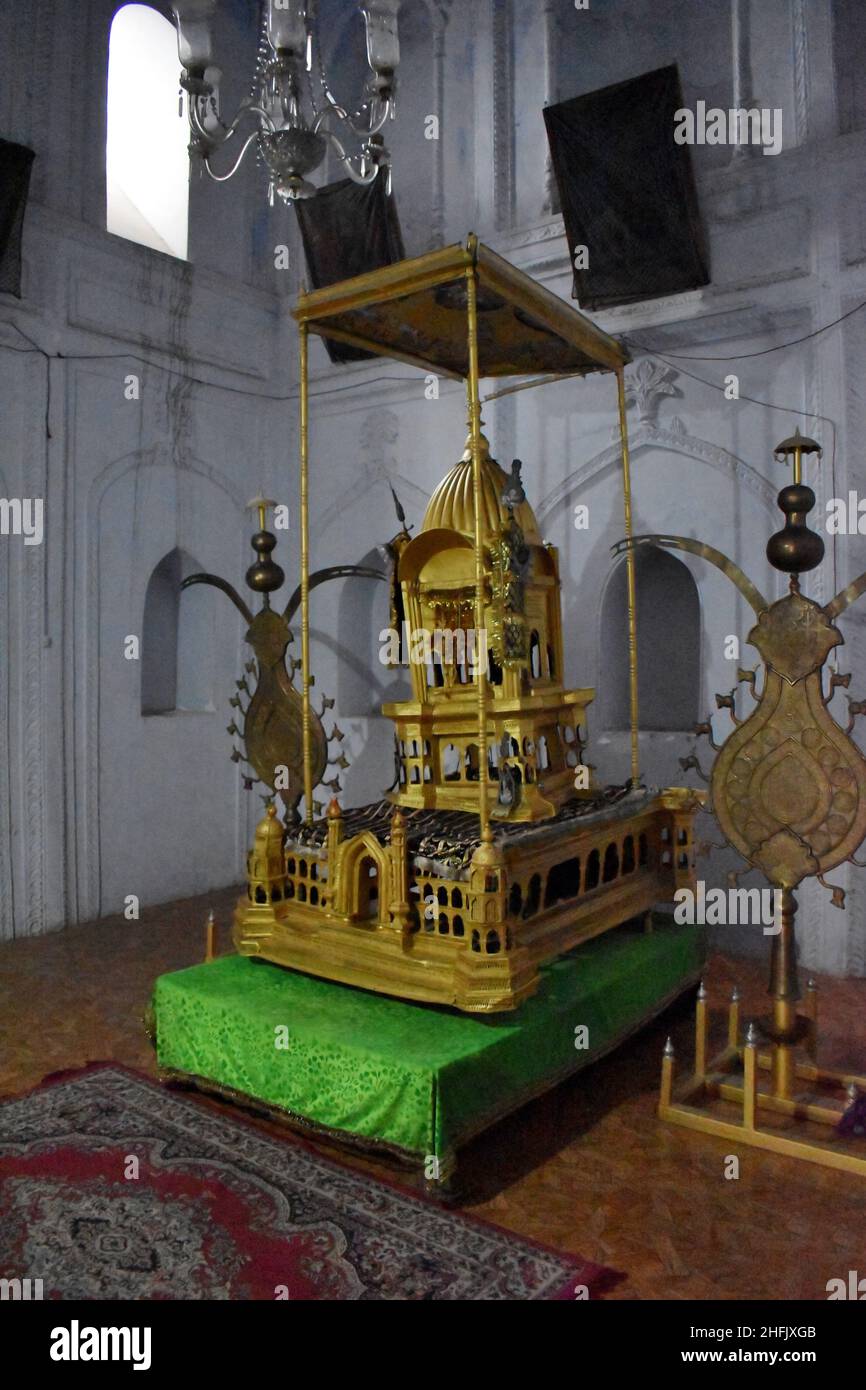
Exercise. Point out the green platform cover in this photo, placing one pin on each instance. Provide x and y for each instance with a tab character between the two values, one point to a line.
420	1078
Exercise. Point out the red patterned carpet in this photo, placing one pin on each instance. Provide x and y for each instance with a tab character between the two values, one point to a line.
114	1188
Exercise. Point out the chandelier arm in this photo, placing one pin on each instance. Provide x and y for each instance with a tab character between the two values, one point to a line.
333	107
329	96
375	125
311	91
228	131
324	115
255	110
387	112
223	178
246	108
346	161
200	131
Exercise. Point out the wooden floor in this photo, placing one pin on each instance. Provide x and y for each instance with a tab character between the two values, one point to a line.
587	1168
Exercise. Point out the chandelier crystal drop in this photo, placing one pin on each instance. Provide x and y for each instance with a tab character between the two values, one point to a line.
294	126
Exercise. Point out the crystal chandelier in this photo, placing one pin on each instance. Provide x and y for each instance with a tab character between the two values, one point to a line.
294	130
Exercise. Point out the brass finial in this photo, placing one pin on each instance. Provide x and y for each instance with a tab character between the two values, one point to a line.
265	575
483	445
796	446
269	830
795	548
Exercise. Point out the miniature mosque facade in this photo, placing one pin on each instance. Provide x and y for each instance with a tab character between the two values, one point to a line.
534	722
403	896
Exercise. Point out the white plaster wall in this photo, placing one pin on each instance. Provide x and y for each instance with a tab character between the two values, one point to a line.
96	801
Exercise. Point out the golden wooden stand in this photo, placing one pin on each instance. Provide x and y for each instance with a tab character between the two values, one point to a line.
797	1091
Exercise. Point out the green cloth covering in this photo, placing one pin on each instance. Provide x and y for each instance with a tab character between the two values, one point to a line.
414	1076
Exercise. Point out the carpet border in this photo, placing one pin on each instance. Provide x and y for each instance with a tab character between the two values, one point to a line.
606	1279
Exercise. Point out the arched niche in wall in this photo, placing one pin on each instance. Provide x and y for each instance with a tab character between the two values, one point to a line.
146	156
668	645
176	640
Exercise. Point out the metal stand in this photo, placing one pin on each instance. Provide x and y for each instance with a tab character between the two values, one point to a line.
797	1092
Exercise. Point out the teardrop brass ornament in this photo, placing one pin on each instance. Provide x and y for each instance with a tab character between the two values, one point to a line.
273	724
788	788
272	727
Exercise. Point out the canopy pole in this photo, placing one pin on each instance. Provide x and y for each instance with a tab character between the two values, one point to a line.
630	580
305	572
475	445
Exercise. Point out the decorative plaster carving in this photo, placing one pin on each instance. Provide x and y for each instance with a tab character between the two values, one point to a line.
548	230
647	384
378	437
679	306
651	437
179	389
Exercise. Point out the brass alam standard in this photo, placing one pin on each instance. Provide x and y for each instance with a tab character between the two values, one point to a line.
485	861
788	788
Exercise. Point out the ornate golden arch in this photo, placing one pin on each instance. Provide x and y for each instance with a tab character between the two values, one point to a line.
354	852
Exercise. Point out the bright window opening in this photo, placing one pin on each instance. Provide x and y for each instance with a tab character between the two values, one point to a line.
147	164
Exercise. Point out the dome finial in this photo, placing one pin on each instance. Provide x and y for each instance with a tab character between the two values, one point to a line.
452	505
483	447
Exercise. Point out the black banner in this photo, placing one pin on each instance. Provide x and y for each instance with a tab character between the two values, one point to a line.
348	229
627	192
16	162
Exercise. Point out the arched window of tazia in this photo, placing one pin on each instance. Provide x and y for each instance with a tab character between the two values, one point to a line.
534	656
177	640
146	157
668	644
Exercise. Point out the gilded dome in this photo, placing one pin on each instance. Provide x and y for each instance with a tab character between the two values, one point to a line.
270	832
452	504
